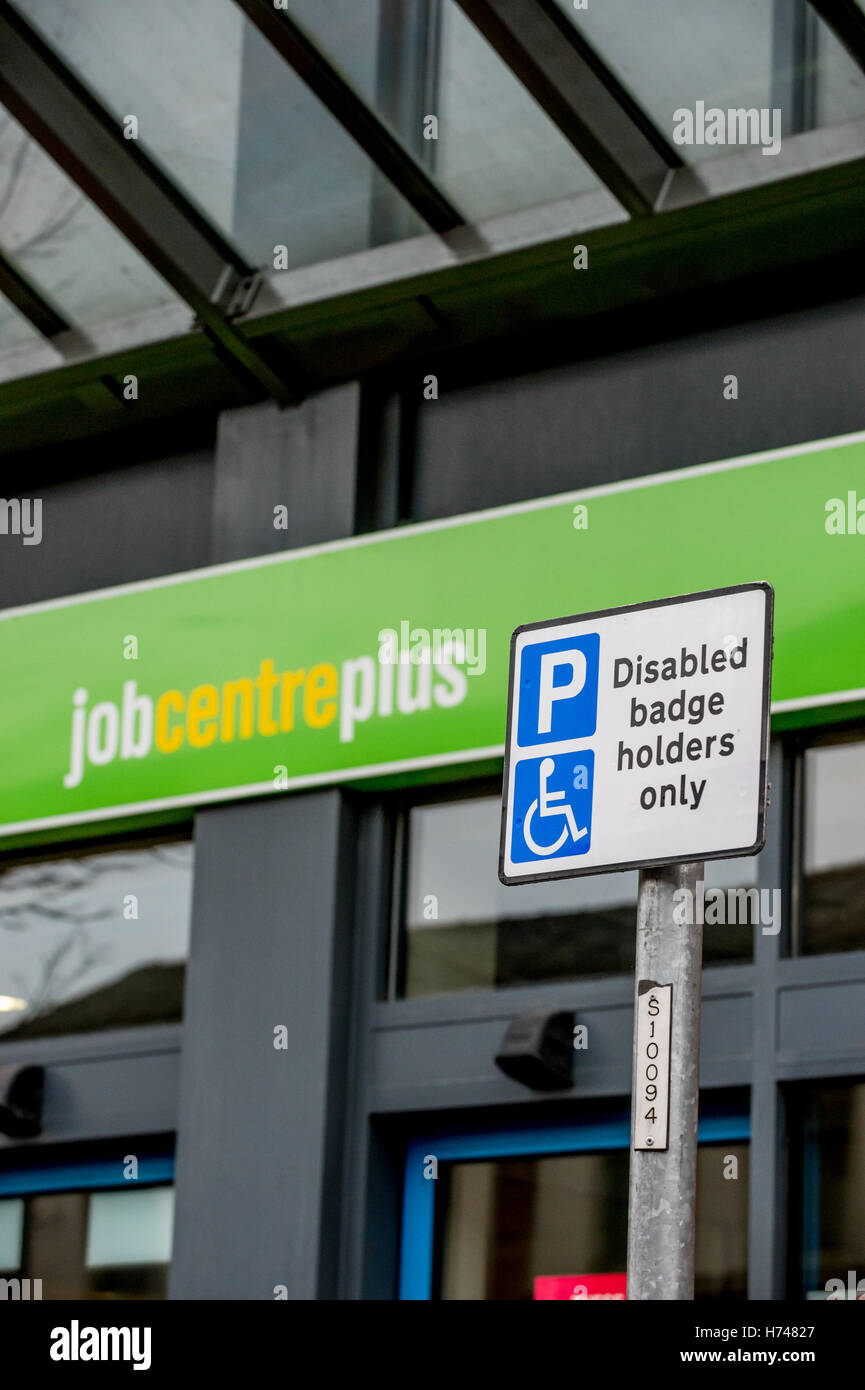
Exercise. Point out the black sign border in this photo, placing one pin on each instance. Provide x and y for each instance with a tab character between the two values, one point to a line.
768	652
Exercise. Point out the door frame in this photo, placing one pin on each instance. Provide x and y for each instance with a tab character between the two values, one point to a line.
79	1175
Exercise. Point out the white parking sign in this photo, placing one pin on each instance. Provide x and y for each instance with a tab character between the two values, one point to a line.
638	736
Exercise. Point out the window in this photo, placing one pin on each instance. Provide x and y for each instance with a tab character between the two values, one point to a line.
832	916
94	939
463	929
58	1245
831	1188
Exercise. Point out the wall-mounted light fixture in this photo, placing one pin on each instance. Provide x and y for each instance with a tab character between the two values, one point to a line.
538	1050
21	1091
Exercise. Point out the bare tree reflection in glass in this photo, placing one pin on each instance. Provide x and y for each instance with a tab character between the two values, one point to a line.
94	940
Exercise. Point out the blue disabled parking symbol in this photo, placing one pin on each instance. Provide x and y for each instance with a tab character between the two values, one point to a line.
553	807
548	803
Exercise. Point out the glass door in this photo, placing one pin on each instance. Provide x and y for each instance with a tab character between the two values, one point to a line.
528	1213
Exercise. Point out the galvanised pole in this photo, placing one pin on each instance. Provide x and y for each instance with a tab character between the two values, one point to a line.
663	1183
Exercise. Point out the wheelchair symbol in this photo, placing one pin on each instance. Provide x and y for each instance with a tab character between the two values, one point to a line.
547	811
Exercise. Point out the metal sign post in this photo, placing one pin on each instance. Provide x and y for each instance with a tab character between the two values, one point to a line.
663	1178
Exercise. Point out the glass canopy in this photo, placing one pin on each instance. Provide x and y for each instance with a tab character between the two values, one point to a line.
494	150
15	330
51	233
230	122
413	116
760	54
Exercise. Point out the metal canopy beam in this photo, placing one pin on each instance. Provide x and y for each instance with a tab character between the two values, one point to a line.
361	123
587	103
847	23
29	302
62	116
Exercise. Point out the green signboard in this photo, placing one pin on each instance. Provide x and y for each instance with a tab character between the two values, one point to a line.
390	652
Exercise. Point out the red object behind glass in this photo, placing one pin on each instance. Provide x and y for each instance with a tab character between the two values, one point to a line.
576	1287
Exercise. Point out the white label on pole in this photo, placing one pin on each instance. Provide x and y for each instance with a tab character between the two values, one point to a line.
638	736
652	1079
